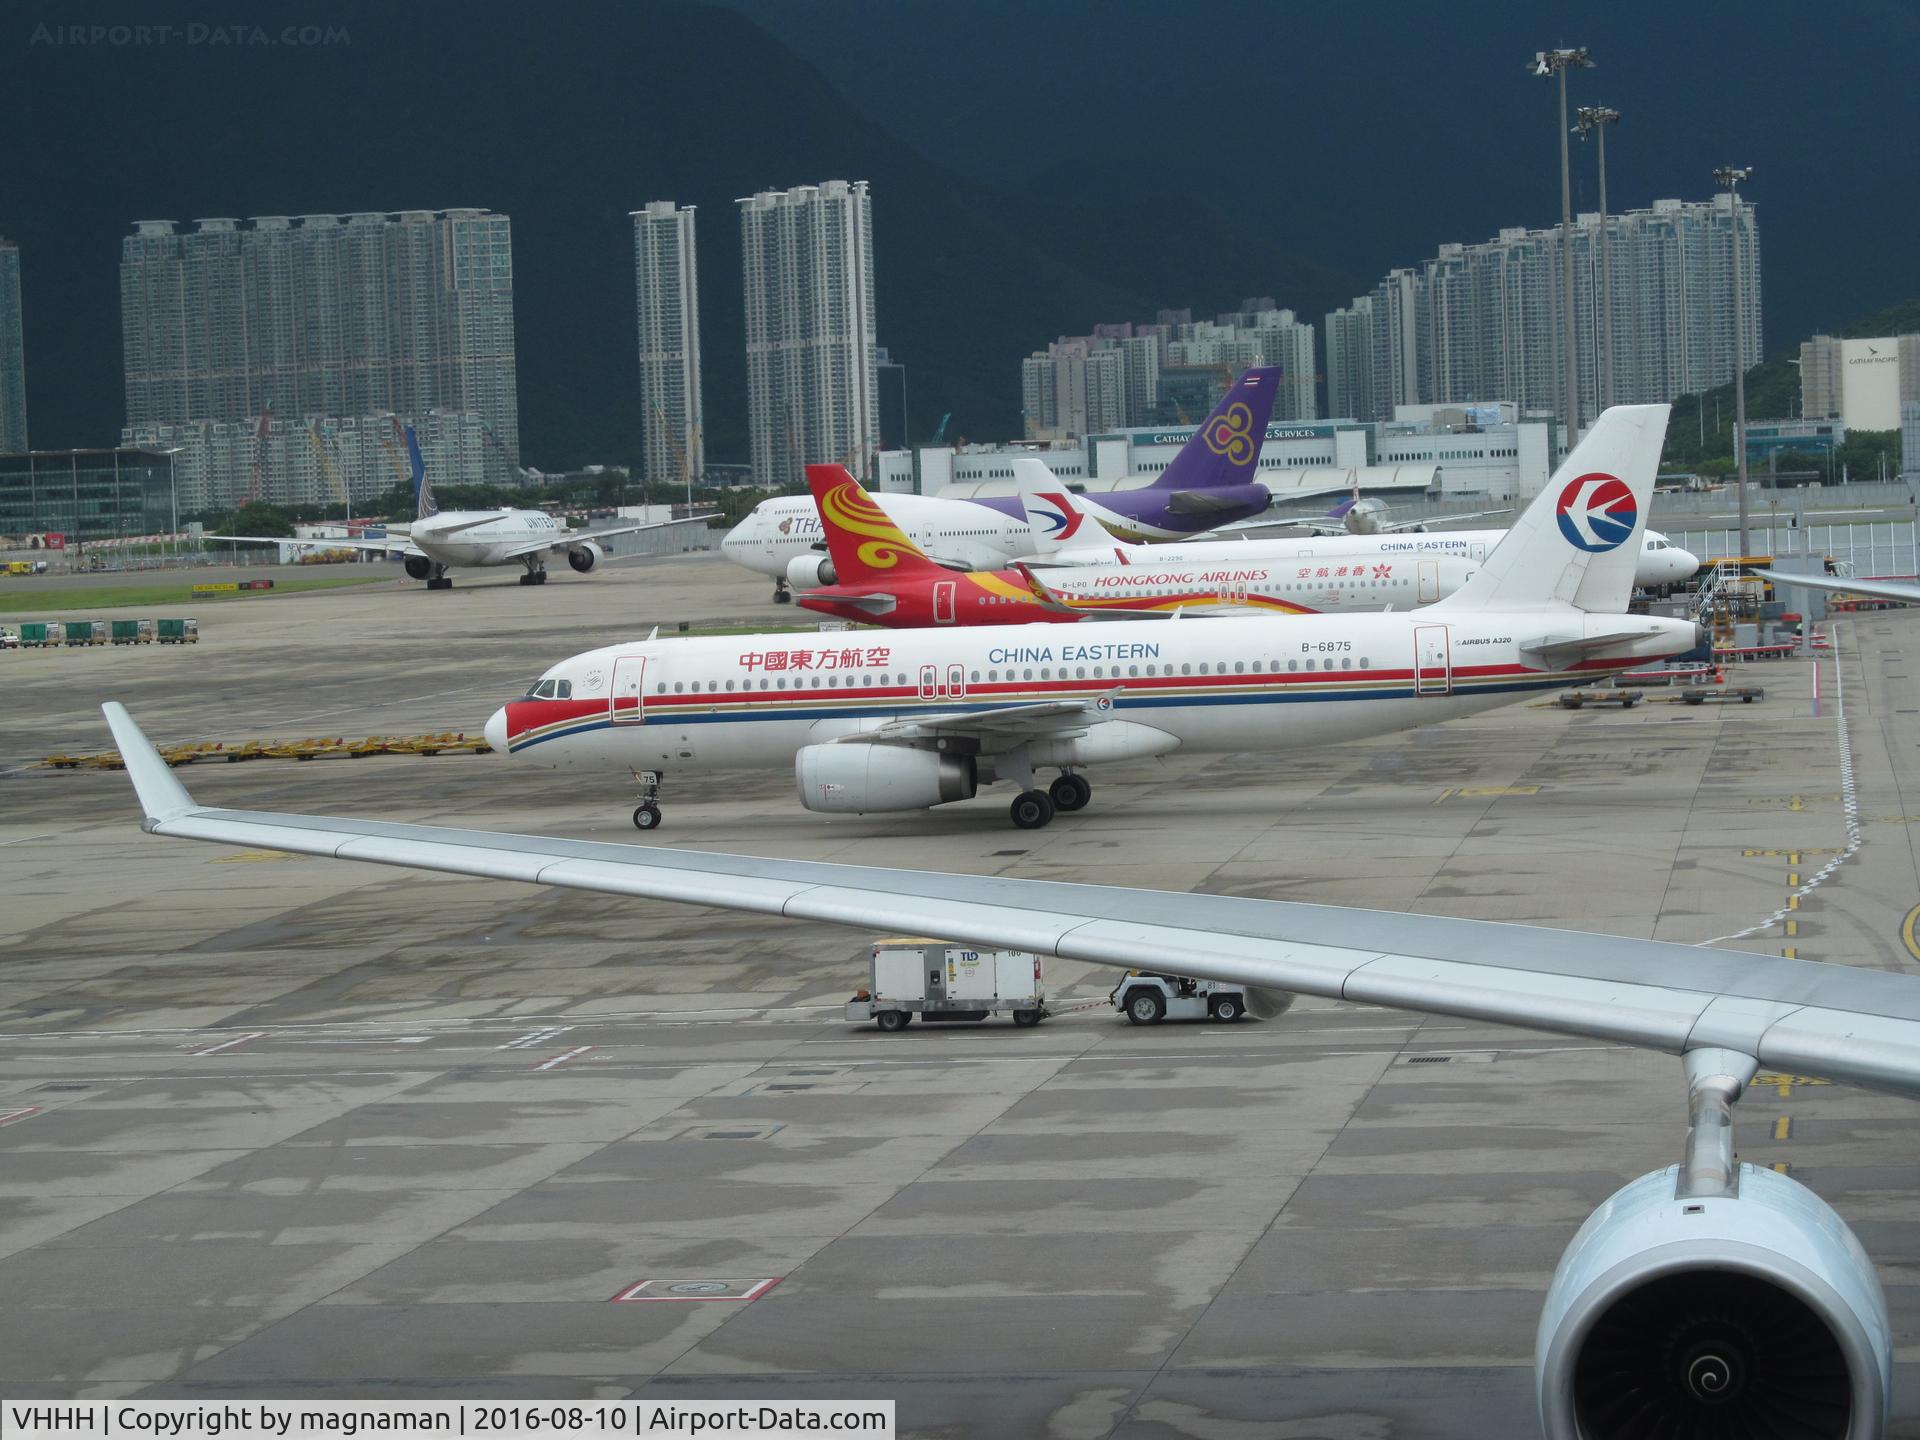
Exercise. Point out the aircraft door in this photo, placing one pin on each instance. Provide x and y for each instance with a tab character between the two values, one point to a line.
1479	549
627	700
943	602
956	682
1429	587
1432	661
929	682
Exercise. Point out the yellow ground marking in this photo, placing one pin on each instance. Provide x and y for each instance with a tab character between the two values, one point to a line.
251	857
1793	902
1792	952
1793	877
1793	856
1479	792
1907	936
1783	1128
1783	1084
1780	1167
1793	929
1790	802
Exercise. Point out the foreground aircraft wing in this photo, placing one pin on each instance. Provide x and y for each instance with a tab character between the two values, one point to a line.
1846	585
1797	1016
574	537
392	545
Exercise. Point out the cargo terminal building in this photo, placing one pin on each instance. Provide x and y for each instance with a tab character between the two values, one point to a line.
86	495
1439	452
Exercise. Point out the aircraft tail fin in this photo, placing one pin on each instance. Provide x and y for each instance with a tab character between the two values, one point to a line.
424	505
861	537
1225	450
1056	519
1578	543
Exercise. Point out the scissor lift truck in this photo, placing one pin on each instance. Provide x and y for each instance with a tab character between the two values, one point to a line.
938	981
1147	998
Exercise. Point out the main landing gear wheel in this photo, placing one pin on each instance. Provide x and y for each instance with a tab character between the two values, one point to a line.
440	582
646	816
1031	809
534	577
1070	793
782	595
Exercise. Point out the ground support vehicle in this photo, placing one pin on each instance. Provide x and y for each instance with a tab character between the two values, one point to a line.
1147	998
939	981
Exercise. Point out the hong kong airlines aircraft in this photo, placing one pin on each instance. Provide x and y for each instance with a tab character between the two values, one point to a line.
885	579
1069	530
1210	482
928	716
439	540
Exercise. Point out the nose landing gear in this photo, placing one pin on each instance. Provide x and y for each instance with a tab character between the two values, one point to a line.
646	815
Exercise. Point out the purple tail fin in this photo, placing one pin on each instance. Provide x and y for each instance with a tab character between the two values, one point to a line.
1226	449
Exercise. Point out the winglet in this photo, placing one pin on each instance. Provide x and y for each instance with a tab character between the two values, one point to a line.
161	796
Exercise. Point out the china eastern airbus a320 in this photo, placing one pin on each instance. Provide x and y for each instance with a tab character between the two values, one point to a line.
918	718
440	540
885	579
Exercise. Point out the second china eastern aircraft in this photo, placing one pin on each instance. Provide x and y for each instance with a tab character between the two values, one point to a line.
885	579
919	718
440	540
1067	530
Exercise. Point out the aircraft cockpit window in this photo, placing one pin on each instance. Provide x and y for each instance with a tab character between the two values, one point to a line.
544	690
563	689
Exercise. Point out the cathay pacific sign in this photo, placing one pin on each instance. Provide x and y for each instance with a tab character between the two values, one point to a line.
1275	431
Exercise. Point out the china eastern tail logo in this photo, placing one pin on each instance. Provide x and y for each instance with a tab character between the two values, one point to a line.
1062	519
1597	513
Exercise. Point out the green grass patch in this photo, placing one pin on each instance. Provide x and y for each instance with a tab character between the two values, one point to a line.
32	597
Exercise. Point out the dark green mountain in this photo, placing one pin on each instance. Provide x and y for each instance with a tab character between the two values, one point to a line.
565	118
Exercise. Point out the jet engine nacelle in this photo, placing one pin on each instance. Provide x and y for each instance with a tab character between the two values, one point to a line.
419	567
809	572
863	779
584	556
1748	1314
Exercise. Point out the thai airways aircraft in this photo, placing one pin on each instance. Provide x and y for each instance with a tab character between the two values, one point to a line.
1210	482
1707	1298
1066	531
885	579
440	540
928	716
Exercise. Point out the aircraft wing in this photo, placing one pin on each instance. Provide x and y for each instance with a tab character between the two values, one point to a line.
574	537
1040	717
1201	502
1400	525
1846	585
1801	1017
392	545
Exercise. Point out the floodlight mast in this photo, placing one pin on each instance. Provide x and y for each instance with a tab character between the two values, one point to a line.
1594	119
1728	177
1550	63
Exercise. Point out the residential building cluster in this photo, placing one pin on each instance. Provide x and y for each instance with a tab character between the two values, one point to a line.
1126	374
1485	321
318	323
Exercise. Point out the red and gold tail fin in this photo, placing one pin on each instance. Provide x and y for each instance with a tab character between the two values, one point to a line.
862	539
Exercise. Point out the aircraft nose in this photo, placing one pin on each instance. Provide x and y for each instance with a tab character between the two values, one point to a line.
496	731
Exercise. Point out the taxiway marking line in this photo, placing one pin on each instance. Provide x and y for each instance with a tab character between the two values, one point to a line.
563	1058
8	1117
229	1044
1907	935
1783	1128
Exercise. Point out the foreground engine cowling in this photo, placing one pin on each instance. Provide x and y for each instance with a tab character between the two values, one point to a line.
809	572
1714	1317
584	556
419	567
865	779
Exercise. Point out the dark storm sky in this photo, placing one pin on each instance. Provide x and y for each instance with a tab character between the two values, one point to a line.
1036	167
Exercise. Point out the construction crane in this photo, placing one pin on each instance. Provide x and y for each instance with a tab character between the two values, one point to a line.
326	467
679	450
259	452
940	433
